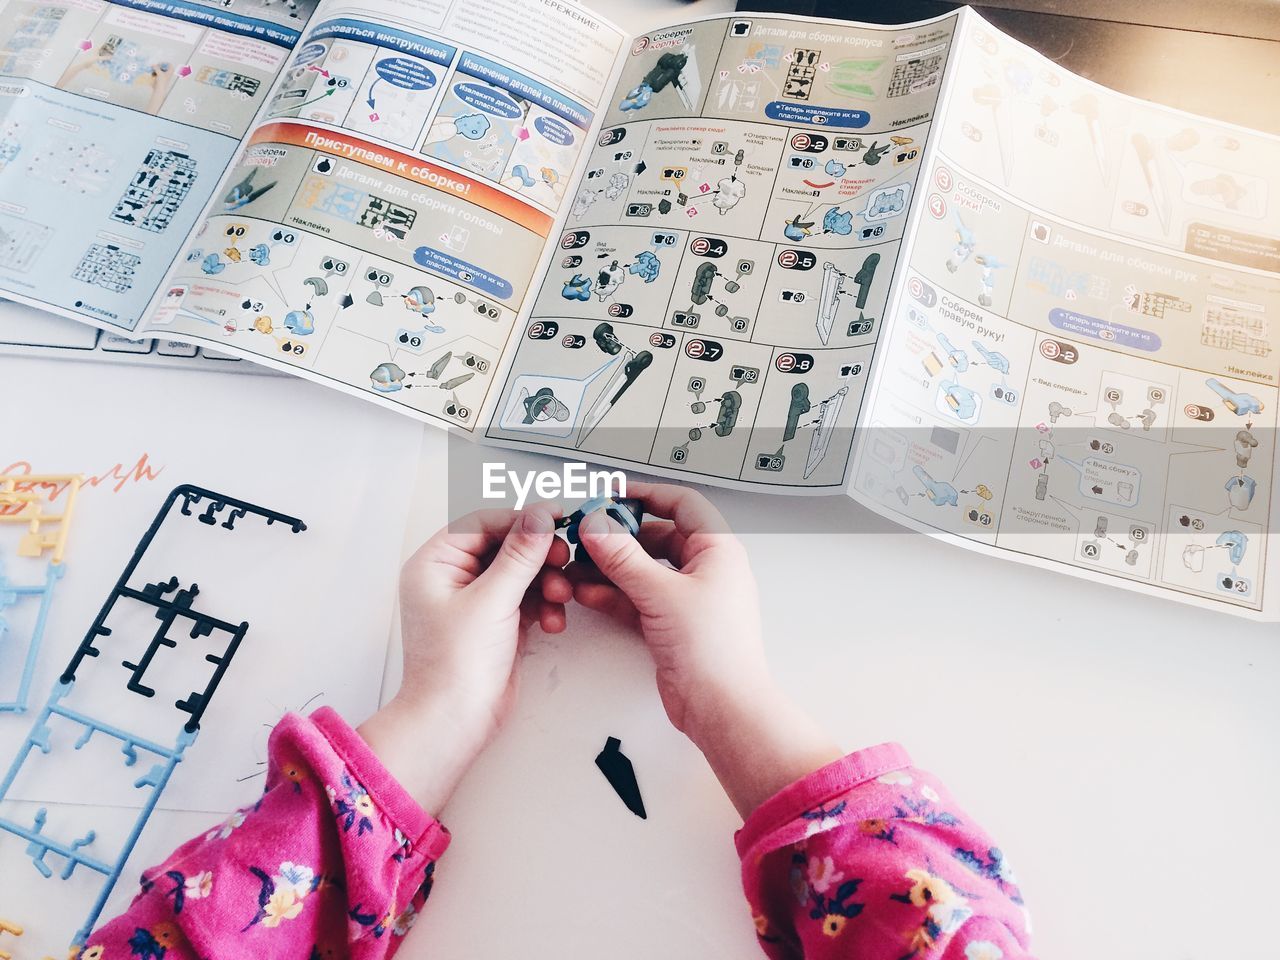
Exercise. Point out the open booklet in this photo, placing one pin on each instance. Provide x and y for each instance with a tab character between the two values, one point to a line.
920	264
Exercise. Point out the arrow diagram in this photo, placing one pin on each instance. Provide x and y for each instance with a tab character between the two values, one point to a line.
327	93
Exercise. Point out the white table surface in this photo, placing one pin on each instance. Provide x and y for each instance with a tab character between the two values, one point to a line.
1120	748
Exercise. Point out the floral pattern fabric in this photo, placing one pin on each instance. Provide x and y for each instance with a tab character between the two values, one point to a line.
334	860
869	859
865	859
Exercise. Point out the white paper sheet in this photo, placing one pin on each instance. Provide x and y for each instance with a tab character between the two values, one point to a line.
318	602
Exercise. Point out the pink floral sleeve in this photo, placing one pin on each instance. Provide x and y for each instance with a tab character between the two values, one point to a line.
869	858
335	860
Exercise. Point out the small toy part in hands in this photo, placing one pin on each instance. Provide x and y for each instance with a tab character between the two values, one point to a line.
627	511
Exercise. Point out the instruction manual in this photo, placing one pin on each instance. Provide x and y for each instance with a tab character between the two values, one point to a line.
920	264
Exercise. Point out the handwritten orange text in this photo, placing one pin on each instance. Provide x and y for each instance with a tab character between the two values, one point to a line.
115	479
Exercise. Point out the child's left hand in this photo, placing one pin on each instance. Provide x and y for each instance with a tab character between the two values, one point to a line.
465	597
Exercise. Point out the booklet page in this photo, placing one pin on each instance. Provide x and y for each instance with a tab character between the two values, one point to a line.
382	226
1083	359
719	289
117	118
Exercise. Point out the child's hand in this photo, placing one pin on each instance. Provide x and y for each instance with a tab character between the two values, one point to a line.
701	621
700	617
464	598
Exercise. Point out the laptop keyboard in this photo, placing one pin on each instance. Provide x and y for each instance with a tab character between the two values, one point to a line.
25	331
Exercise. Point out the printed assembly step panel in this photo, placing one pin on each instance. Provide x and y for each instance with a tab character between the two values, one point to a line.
1083	363
487	118
719	289
770	327
1134	169
129	115
357	273
693	403
383	225
1085	455
1110	424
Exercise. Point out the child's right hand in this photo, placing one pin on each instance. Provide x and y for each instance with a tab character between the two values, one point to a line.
700	618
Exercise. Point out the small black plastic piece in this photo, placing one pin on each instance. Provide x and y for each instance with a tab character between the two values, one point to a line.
617	769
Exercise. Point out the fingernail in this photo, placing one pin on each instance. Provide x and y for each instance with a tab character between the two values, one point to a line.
535	522
595	524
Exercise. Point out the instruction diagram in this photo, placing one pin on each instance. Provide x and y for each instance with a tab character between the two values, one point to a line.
327	265
676	70
614	272
739	219
1125	459
940	445
136	182
826	298
1041	320
508	128
570	408
285	294
665	74
840	190
712	406
841	80
1077	151
370	78
820	412
1115	464
683	176
157	191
